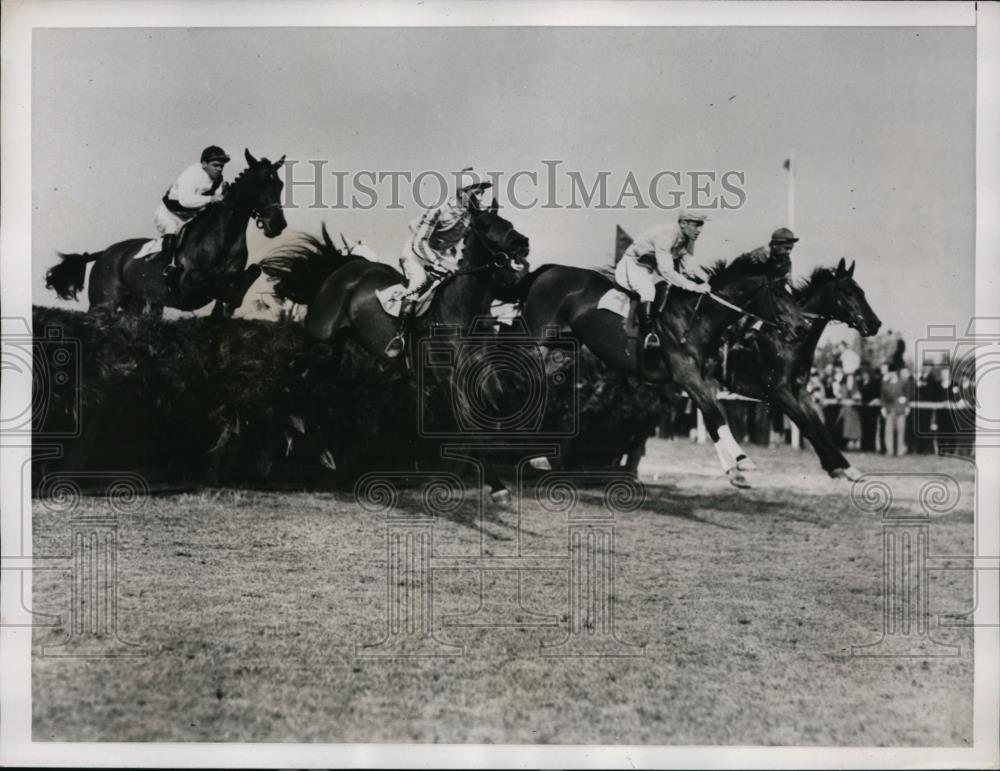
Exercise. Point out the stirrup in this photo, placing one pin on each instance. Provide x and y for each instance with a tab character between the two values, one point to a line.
651	340
395	346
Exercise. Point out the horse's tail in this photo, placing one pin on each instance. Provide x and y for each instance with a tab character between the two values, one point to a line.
523	286
299	270
67	278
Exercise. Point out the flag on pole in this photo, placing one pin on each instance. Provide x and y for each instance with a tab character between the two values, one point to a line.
622	242
787	165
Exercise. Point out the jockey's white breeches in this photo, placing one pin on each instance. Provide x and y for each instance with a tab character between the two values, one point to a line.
413	269
166	221
637	277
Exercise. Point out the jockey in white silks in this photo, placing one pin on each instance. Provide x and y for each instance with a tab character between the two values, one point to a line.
434	243
198	185
657	256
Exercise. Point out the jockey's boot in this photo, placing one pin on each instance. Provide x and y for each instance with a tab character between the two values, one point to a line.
646	329
398	343
171	271
660	299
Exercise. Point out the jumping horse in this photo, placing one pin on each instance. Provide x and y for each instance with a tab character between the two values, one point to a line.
690	328
340	288
211	249
768	367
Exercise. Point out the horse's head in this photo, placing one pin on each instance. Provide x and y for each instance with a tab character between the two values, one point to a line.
494	246
833	294
755	288
258	189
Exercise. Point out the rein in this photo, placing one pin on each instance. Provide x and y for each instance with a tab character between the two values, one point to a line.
742	311
731	306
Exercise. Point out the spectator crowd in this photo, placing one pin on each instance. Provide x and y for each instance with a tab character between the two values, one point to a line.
870	401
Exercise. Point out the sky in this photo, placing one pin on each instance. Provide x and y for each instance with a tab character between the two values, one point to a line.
880	123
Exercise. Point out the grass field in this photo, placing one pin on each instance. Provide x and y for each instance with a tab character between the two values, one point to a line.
251	607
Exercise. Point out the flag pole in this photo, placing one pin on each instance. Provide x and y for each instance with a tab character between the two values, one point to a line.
790	167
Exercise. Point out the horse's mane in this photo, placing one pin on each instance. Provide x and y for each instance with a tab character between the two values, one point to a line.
813	283
235	187
299	269
722	272
241	179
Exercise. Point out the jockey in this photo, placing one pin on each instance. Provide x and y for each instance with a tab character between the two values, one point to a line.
198	185
777	254
436	236
657	256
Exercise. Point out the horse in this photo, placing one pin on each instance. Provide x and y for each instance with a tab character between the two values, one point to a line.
775	370
690	328
211	248
340	288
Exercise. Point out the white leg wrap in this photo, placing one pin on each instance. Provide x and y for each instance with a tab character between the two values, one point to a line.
728	461
726	440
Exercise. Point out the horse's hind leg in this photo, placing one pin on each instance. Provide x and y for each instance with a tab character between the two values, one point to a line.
106	290
499	493
704	395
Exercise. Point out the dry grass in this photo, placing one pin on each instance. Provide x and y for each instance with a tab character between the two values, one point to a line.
251	605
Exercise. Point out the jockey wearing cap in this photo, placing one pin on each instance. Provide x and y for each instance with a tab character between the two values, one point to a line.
777	254
436	236
657	256
198	185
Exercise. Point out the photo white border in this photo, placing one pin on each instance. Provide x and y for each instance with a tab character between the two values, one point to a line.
19	18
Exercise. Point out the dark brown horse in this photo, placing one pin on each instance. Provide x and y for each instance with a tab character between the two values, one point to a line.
767	367
339	289
211	249
690	328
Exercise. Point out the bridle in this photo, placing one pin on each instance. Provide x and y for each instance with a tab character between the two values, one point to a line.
826	317
258	213
499	259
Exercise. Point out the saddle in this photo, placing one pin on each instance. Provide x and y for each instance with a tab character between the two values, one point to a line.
153	248
391	298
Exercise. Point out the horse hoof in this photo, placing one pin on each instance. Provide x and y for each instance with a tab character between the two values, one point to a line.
736	479
743	463
850	473
501	497
328	461
541	463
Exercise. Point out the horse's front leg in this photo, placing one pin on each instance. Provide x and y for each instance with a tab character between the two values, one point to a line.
235	293
799	409
704	394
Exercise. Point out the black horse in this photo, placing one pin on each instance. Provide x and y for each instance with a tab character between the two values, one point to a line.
211	248
768	367
339	289
690	329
